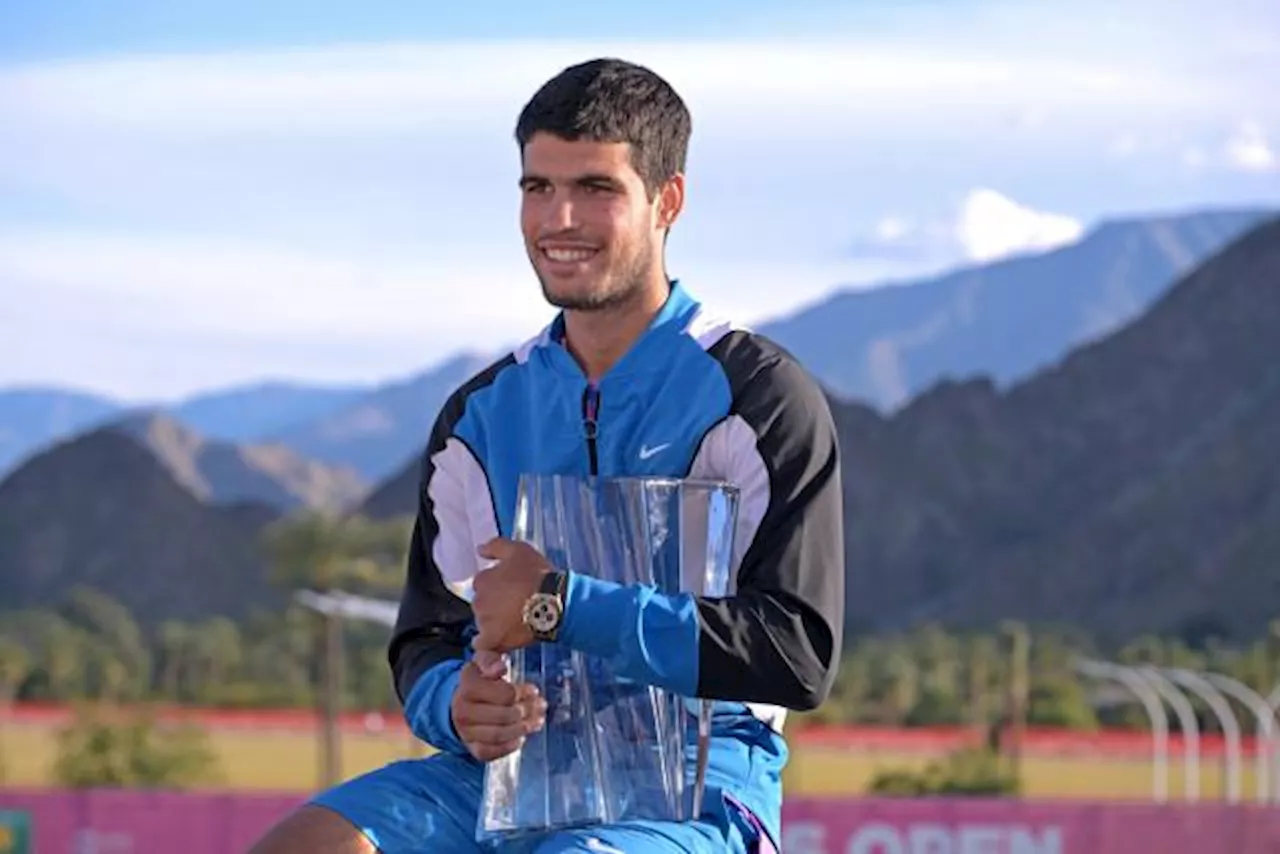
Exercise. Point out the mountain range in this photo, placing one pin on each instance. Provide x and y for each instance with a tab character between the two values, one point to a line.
103	510
226	473
1129	483
1004	320
880	345
1133	486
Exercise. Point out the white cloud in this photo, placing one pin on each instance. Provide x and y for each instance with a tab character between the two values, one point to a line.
1249	150
1126	144
892	228
992	226
984	226
1193	157
263	290
260	197
161	316
390	87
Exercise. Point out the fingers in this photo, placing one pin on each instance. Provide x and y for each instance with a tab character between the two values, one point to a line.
492	641
516	702
496	735
533	708
527	691
470	713
493	716
479	689
478	686
491	664
490	752
491	732
499	548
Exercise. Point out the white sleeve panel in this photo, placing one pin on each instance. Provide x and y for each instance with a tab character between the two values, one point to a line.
729	452
463	505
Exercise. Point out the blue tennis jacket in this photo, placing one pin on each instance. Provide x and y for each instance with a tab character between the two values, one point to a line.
696	396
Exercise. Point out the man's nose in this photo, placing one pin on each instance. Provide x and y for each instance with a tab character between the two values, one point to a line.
560	213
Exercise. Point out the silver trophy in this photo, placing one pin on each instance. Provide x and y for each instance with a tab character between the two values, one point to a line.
612	749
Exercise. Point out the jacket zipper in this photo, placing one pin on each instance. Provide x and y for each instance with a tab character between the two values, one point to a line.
590	426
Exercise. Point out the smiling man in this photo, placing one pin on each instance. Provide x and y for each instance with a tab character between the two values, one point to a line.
634	376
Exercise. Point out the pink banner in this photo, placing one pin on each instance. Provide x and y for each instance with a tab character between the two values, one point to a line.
963	826
109	822
130	822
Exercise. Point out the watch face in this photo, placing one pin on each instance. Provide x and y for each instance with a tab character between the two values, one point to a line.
544	612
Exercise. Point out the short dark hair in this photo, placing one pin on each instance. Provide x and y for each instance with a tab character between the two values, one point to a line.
611	100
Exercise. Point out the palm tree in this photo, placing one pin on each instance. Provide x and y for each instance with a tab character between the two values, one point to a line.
1019	646
174	641
325	554
982	664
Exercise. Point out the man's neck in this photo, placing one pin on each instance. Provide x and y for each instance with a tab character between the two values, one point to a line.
599	339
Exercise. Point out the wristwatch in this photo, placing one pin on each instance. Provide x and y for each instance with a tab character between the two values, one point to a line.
544	610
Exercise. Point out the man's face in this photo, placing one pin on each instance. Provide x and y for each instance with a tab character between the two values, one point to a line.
589	228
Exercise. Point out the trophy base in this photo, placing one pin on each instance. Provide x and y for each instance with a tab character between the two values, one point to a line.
612	751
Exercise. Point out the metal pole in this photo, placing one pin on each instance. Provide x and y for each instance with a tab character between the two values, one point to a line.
1226	718
1273	702
1150	700
1265	732
1190	727
349	606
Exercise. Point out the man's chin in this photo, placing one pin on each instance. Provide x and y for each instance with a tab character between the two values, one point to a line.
578	299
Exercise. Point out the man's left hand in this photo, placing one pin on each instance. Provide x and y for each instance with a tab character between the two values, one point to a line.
500	593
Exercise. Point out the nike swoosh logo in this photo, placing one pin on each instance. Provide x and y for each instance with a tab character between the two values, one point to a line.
646	451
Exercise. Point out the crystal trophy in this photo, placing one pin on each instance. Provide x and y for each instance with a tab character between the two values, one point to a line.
611	749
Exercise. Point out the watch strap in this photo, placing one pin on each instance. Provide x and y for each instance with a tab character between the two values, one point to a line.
555	583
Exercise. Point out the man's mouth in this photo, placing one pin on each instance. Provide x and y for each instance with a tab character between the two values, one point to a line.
568	254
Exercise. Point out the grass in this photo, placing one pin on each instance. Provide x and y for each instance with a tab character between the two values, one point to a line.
839	772
272	759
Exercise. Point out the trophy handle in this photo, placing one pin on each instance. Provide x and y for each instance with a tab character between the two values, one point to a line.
704	754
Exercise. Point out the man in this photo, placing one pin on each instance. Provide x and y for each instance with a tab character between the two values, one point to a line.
633	377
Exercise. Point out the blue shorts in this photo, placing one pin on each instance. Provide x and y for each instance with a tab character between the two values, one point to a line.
431	805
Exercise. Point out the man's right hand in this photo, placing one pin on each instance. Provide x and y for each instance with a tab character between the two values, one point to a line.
490	715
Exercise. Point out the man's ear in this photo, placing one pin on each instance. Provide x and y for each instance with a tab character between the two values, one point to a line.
670	201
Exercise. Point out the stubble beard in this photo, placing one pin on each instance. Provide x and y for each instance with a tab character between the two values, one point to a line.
622	287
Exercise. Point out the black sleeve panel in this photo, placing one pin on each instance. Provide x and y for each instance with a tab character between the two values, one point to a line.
778	640
432	622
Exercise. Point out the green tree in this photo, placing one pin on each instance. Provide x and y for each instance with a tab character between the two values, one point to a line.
983	664
15	665
117	655
104	747
216	654
173	655
1058	700
969	772
935	707
315	551
280	656
898	684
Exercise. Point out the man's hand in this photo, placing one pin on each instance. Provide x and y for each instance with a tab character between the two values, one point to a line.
492	716
500	592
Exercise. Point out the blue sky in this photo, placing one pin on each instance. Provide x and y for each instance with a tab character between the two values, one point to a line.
36	30
325	191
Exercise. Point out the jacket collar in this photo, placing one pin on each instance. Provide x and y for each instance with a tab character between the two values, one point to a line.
670	321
